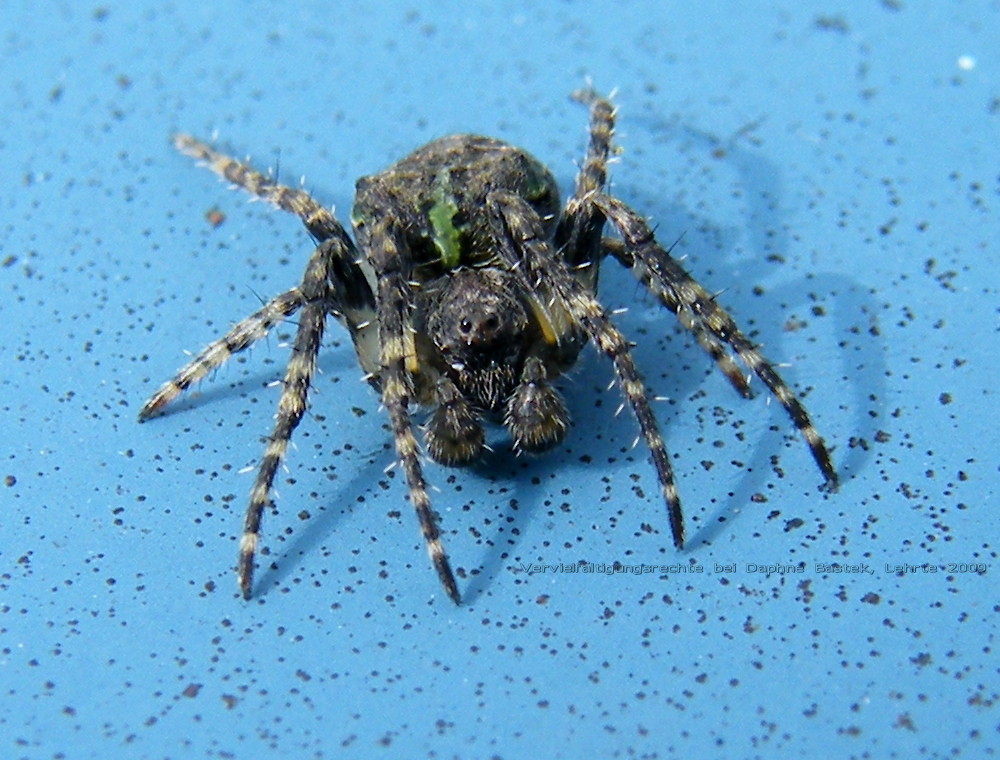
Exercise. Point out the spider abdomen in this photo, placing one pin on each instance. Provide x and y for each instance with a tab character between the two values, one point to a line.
438	196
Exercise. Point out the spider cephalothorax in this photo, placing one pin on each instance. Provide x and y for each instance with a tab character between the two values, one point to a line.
469	291
479	324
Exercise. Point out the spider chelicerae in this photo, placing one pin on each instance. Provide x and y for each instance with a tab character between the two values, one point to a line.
466	289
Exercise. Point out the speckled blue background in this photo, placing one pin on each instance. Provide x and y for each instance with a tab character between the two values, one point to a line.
833	166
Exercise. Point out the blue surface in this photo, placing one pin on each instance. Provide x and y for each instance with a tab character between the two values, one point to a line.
832	166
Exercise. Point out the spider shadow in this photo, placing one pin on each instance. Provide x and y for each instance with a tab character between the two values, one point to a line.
254	386
864	398
201	396
280	565
512	474
285	559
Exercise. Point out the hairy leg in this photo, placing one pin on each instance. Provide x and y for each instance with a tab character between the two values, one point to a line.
679	290
352	300
317	303
524	250
706	338
241	336
320	222
394	300
579	233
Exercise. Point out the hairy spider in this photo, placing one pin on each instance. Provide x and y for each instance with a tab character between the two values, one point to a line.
468	290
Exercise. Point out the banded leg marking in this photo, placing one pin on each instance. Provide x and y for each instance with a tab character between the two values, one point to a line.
320	221
393	302
711	344
579	232
655	264
291	406
526	252
241	336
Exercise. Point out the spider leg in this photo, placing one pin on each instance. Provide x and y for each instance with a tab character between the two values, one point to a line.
355	302
394	299
693	304
708	341
524	250
317	302
320	222
241	336
352	303
579	232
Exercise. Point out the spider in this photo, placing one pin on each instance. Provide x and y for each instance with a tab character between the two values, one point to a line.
468	291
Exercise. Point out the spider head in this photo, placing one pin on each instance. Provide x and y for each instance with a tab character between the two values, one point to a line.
478	321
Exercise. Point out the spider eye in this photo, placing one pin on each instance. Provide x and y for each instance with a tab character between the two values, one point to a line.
465	326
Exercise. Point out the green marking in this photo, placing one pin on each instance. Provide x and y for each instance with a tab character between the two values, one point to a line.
441	215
